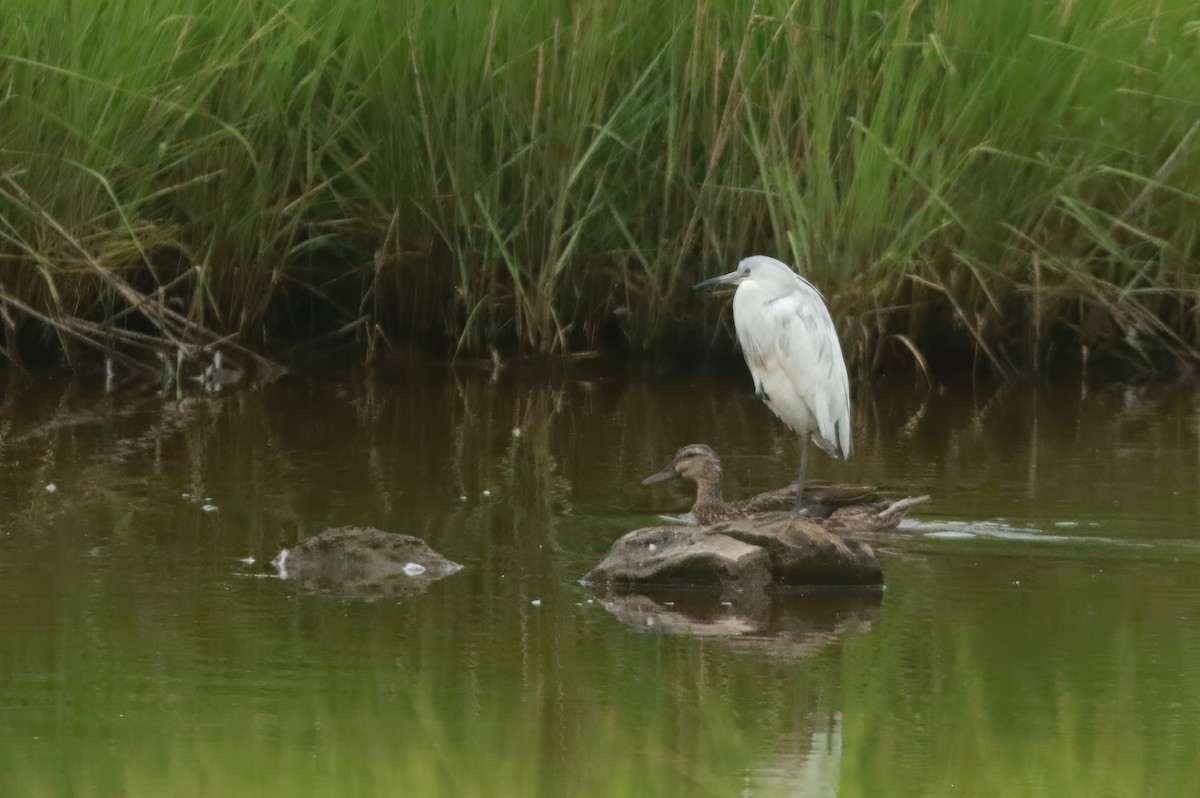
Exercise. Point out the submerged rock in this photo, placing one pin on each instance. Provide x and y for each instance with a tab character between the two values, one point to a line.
750	553
363	562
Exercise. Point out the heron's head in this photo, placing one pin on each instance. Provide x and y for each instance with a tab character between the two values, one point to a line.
759	268
695	461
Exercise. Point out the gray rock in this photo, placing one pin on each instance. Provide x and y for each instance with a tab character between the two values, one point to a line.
363	562
803	552
771	549
682	555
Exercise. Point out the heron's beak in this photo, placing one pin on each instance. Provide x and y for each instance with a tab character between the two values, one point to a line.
662	476
732	277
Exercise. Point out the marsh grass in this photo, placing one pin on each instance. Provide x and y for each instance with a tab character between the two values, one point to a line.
1008	183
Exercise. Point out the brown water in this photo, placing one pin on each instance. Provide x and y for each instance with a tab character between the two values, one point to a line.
1040	633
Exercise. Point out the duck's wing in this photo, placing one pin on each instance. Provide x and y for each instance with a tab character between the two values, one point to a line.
829	494
834	494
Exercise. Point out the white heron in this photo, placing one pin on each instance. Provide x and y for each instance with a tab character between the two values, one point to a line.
792	349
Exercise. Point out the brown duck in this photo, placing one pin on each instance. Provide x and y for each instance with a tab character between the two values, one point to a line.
838	508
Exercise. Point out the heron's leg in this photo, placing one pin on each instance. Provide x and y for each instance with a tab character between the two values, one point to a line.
799	505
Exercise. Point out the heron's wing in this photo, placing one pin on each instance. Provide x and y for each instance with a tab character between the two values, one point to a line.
792	349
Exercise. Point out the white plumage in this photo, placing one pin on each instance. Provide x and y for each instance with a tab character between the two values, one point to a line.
792	349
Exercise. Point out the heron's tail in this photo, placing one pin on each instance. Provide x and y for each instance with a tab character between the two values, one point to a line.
839	447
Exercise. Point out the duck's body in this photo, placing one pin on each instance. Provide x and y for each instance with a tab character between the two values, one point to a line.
869	518
826	502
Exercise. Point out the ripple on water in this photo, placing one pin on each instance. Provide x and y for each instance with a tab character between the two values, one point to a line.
960	530
999	530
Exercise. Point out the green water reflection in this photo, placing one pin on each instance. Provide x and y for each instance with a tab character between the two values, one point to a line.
1054	650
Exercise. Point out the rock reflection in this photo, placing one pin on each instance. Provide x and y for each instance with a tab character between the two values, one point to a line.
789	623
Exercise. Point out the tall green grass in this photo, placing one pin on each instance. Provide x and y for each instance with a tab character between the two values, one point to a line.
993	179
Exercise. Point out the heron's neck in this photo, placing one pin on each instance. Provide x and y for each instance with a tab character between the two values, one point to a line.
708	488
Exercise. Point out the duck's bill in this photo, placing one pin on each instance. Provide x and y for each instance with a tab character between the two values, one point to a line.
662	476
724	279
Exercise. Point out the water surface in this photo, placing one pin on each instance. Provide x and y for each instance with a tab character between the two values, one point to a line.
1040	632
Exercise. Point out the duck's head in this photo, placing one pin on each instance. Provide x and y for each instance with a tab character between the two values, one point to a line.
696	462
